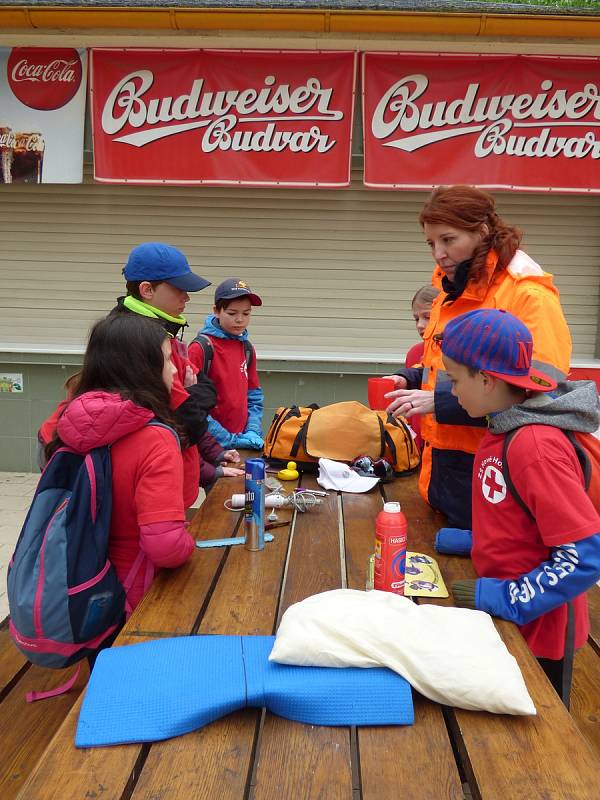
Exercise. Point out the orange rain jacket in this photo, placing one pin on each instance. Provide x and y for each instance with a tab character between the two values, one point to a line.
450	436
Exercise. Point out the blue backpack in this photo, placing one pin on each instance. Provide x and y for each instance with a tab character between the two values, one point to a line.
64	595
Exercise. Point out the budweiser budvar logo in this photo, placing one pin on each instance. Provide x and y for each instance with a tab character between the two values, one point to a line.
503	124
129	103
44	78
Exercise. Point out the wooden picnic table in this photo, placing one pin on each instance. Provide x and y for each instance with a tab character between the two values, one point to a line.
254	754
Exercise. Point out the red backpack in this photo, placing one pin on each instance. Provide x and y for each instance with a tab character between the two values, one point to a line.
587	448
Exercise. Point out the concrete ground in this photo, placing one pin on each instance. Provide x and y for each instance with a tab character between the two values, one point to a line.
16	492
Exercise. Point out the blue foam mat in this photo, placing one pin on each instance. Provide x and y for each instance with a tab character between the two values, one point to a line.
156	690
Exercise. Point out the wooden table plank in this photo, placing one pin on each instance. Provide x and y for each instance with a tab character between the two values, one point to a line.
174	612
216	761
235	591
388	754
302	761
171	607
594	607
26	729
314	564
541	756
68	773
497	749
12	662
294	760
585	698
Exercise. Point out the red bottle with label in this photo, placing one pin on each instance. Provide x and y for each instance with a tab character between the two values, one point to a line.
390	549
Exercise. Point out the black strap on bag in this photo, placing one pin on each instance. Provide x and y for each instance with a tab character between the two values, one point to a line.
569	654
567	676
408	444
209	351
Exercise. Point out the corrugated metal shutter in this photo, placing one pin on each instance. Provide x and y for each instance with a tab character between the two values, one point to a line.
336	269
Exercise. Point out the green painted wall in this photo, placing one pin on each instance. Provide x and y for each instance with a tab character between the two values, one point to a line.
284	383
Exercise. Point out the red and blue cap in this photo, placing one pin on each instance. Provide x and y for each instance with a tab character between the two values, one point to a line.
156	261
496	342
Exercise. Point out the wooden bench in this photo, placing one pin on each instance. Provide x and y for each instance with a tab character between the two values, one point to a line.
26	729
585	692
257	755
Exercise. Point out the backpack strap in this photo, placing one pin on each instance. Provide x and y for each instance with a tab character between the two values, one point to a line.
31	697
584	459
506	474
158	424
580	452
569	654
128	582
207	349
249	352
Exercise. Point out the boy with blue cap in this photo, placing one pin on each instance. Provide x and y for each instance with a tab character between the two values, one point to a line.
535	542
223	351
159	280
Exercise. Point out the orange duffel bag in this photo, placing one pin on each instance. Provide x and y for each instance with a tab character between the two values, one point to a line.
342	432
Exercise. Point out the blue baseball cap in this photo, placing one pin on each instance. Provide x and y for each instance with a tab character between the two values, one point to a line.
156	261
232	288
498	343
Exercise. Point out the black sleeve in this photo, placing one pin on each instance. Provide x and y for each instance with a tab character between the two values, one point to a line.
413	375
192	413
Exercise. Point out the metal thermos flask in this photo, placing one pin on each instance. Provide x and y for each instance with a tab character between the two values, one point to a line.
254	510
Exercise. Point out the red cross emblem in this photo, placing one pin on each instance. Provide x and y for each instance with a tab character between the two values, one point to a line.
493	486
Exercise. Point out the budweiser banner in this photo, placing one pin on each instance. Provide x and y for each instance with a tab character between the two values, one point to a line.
42	106
504	122
256	118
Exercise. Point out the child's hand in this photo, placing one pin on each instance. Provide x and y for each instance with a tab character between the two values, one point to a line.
251	440
232	472
231	455
190	377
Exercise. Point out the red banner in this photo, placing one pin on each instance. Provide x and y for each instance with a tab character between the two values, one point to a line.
504	122
255	118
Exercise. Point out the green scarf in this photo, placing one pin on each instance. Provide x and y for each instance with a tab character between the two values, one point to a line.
172	325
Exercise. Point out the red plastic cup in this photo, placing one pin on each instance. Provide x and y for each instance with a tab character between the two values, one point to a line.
378	387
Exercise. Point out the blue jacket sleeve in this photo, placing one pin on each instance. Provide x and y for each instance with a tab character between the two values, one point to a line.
571	570
448	411
454	541
221	434
255	411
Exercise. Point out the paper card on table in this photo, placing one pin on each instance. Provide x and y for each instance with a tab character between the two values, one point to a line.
423	577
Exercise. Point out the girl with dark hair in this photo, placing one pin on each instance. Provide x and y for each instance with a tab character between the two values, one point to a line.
478	265
124	384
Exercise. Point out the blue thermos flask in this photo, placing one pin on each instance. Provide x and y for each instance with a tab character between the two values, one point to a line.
254	511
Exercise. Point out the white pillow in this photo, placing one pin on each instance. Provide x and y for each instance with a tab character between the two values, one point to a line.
454	656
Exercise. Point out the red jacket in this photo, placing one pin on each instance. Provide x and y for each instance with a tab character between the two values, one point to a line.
147	479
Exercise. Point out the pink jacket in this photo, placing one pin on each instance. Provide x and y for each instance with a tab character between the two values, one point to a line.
147	476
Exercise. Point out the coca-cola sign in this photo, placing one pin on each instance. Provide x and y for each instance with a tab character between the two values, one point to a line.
222	117
44	78
508	122
42	105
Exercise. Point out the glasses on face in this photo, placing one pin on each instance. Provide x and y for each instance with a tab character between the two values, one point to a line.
369	468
